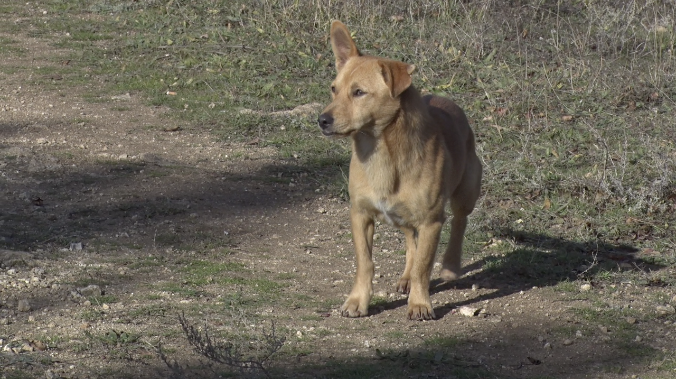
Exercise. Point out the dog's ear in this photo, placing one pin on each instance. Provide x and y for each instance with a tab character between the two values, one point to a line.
342	44
397	76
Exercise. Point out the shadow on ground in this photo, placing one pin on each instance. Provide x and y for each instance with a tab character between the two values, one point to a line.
537	261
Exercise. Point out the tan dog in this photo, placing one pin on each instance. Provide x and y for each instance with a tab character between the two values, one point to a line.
410	155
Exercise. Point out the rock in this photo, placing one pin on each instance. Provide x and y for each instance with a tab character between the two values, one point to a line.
38	345
585	287
475	287
26	347
23	306
76	246
631	320
125	97
664	310
468	311
90	290
4	321
567	342
604	329
578	334
547	346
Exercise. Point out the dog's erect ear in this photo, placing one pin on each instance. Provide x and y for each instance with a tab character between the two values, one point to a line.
397	76
342	44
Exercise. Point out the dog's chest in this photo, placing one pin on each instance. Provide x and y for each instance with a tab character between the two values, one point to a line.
388	214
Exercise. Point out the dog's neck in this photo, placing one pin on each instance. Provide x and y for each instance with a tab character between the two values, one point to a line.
398	147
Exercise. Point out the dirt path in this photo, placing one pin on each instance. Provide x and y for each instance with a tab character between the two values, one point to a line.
164	217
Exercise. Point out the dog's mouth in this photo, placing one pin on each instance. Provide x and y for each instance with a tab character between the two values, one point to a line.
330	133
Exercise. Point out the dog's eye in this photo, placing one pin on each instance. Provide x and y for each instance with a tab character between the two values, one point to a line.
358	93
333	89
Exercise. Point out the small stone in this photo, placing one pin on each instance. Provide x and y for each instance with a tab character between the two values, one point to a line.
631	320
51	325
664	310
23	306
84	325
548	346
76	246
603	329
673	300
87	303
123	156
321	210
4	321
39	345
105	307
31	318
27	348
567	342
376	236
585	287
541	339
42	141
468	311
638	339
578	334
90	290
299	334
475	287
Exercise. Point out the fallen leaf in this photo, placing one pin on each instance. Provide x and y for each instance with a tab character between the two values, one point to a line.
567	118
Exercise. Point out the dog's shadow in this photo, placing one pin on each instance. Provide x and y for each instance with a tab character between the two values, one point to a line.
538	260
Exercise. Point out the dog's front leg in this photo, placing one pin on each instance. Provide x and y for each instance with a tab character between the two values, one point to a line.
357	304
419	304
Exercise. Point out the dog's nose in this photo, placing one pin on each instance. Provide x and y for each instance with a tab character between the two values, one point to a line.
325	120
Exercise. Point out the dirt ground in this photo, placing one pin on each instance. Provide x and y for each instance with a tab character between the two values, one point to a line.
121	195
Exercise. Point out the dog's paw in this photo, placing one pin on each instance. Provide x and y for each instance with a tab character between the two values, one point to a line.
420	312
450	274
352	308
404	285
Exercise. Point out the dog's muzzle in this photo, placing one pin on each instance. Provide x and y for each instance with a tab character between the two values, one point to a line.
325	122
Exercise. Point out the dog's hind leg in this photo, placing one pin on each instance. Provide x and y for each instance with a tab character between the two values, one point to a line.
462	204
404	283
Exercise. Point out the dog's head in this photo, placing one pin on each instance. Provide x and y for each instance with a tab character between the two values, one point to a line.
366	92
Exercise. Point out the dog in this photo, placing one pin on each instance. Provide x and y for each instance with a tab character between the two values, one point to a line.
411	155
